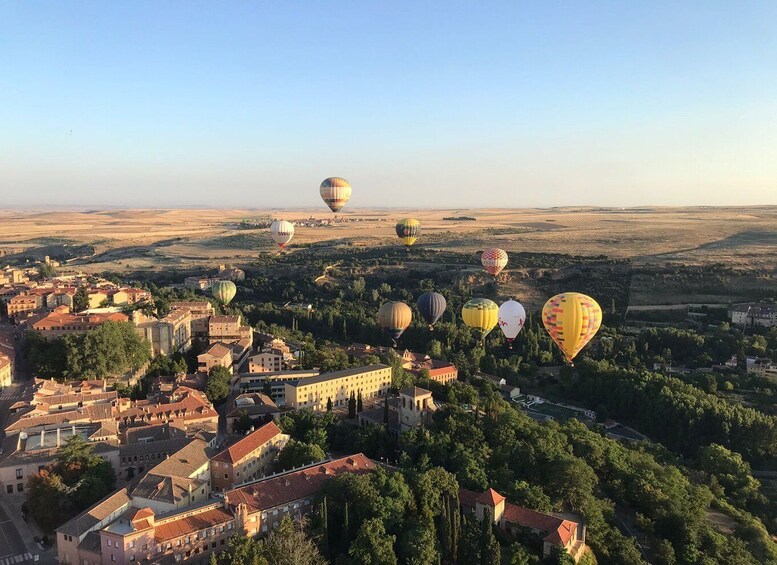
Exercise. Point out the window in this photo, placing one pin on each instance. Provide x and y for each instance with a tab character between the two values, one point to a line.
19	473
113	557
9	488
20	487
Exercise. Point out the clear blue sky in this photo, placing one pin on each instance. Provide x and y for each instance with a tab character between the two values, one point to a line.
418	104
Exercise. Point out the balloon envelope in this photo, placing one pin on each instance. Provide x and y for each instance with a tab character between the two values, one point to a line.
223	291
394	317
408	231
494	260
432	306
282	232
512	317
571	319
336	192
480	314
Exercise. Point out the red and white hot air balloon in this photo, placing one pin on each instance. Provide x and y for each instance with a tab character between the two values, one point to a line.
282	232
494	260
512	317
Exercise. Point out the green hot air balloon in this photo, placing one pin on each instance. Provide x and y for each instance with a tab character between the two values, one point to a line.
223	291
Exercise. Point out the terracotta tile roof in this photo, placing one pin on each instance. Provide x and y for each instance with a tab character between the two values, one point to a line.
58	319
218	350
556	530
282	489
192	523
490	498
224	319
140	514
244	446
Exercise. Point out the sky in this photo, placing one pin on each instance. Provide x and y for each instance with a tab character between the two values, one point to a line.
418	104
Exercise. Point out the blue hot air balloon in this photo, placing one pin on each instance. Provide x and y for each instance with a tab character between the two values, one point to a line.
432	306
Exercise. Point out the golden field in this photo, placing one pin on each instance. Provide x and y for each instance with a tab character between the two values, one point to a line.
156	239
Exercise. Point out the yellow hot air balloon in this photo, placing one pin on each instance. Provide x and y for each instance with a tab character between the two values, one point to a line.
223	291
480	314
394	317
336	192
408	231
571	319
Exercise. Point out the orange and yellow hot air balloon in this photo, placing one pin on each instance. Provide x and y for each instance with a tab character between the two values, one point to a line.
335	191
571	319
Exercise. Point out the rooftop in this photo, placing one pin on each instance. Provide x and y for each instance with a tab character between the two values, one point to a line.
352	372
244	446
288	487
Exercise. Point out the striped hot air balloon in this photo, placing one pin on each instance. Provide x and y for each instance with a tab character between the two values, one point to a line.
223	291
571	319
432	306
408	231
394	317
480	314
281	232
336	192
494	260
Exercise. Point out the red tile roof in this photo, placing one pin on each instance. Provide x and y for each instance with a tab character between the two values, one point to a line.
490	498
243	447
192	523
275	491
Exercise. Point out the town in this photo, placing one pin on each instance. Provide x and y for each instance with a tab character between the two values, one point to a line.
208	430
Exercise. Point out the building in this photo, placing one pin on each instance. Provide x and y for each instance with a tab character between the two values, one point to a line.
6	370
265	362
415	408
24	455
60	322
217	355
265	502
134	523
372	381
273	384
761	366
248	458
124	296
171	334
61	297
23	304
200	313
439	371
549	531
258	407
121	529
198	283
176	482
228	329
754	314
228	272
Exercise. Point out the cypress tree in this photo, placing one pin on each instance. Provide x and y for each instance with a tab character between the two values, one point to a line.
325	528
352	406
455	526
345	539
359	404
328	403
385	411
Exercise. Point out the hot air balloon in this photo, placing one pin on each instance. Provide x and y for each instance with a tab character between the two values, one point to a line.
571	319
408	231
336	192
432	306
512	317
394	317
494	260
282	232
480	314
223	291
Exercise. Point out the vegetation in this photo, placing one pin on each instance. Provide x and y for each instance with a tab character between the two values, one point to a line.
77	479
111	349
217	385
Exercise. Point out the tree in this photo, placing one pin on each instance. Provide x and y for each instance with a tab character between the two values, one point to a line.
372	546
328	403
298	453
217	385
288	545
519	555
243	423
489	547
81	299
385	410
359	403
244	551
352	406
47	271
46	498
